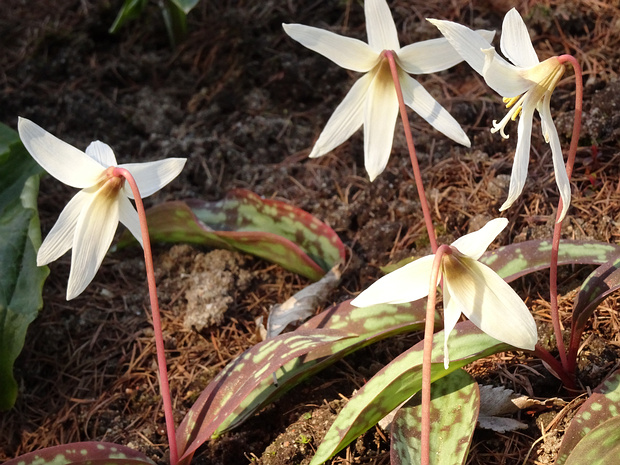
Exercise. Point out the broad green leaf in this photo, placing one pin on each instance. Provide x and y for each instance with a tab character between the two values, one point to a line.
83	453
239	379
243	221
131	9
21	281
601	446
455	402
185	5
401	379
603	404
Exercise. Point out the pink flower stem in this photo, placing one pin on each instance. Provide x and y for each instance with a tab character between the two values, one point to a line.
417	174
159	339
555	366
569	367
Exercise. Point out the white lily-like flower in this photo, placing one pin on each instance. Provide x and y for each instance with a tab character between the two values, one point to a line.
526	85
88	222
470	287
372	100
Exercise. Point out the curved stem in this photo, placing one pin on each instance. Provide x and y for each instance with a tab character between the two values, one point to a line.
555	366
568	366
159	339
417	174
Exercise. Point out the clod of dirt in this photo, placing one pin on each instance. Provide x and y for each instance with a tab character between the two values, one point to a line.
203	285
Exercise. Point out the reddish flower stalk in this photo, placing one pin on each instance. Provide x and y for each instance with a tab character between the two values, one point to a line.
159	339
568	365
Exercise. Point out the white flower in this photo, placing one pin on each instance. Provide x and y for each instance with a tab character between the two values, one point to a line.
372	101
88	222
526	85
470	287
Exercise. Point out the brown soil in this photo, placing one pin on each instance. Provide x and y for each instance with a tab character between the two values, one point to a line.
244	103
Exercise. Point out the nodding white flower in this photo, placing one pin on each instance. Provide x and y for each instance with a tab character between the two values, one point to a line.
88	222
372	100
526	85
470	287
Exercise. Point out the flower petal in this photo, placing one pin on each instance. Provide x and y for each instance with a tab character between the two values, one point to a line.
60	238
505	79
451	315
101	153
129	217
515	42
346	52
474	244
380	113
561	178
346	119
153	175
406	284
490	303
93	235
423	103
380	26
431	56
63	161
466	42
522	154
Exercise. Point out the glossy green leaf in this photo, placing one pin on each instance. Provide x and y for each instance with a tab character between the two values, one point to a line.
185	5
603	404
21	281
83	453
175	21
601	446
243	221
131	9
239	379
401	379
455	402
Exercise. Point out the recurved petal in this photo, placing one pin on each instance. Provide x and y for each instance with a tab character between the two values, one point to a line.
431	56
490	303
60	238
63	161
380	116
451	315
346	119
406	284
474	244
515	42
129	217
101	153
522	154
346	52
561	178
505	79
93	235
153	175
423	103
465	41
380	26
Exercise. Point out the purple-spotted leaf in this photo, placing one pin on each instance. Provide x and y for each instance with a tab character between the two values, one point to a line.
603	404
601	446
401	379
239	379
270	229
83	453
455	401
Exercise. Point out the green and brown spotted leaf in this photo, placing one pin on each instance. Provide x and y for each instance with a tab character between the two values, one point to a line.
401	379
239	379
83	453
601	446
270	229
455	402
603	404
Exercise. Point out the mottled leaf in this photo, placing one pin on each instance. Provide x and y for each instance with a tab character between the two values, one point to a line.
601	446
83	453
454	408
243	221
401	379
600	407
21	281
239	379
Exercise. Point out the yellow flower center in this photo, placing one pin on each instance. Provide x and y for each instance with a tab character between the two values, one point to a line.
110	185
